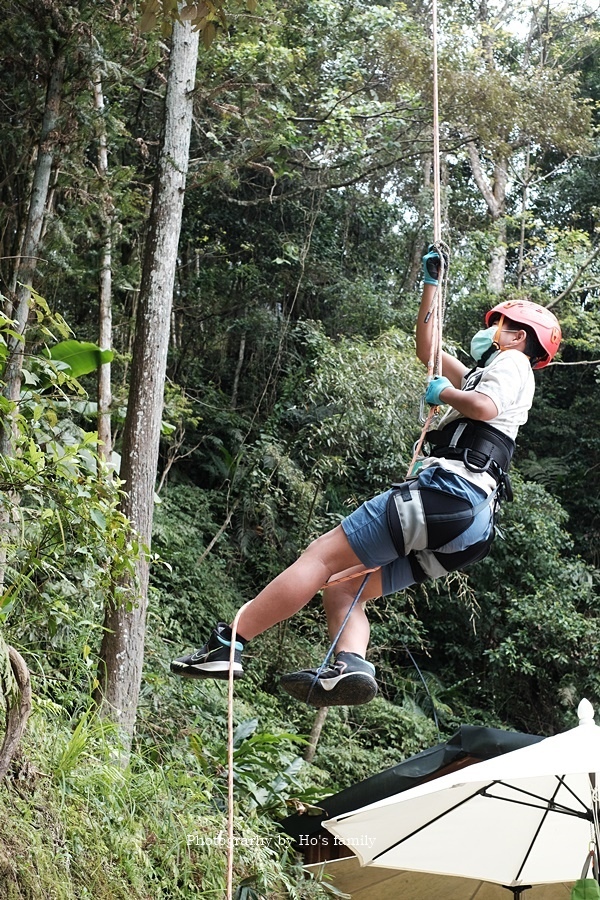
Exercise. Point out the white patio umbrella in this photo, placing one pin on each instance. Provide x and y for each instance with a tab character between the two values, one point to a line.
528	817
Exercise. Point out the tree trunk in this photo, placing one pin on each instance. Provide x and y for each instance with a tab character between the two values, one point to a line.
238	370
315	734
105	292
123	643
497	269
26	264
522	230
494	195
17	308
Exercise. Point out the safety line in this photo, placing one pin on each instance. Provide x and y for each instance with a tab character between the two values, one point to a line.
438	304
437	205
230	806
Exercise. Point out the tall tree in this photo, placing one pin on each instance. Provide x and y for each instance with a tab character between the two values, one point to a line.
25	265
123	643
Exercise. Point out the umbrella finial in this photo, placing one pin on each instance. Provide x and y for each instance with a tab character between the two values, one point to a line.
585	711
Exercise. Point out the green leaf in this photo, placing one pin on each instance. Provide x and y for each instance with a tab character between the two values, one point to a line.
82	357
244	730
98	517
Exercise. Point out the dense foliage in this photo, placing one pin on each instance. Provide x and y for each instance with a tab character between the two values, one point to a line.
293	394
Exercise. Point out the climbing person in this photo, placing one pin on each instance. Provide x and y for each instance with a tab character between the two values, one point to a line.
437	521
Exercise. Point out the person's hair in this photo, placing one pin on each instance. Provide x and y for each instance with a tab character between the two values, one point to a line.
533	348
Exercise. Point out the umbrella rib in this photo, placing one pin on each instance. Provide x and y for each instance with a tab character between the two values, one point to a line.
556	807
539	828
550	804
561	779
431	821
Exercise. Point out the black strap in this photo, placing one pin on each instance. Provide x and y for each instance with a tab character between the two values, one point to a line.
479	446
393	520
418	572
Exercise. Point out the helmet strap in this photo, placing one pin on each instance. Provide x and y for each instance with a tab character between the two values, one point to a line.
499	332
495	343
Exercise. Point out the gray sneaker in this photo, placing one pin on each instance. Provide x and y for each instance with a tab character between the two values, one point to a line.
212	660
349	681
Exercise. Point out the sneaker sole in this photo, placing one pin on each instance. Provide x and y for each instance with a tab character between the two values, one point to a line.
353	689
208	670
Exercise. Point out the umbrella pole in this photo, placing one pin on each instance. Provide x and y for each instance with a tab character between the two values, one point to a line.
596	823
517	891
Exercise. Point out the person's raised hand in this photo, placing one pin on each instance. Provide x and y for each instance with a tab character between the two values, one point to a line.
435	388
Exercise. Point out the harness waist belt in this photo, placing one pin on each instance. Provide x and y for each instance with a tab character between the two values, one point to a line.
481	447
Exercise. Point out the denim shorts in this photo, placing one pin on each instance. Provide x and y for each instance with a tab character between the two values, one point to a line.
369	535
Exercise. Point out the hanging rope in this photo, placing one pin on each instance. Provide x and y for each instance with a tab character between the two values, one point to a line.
230	808
438	303
437	204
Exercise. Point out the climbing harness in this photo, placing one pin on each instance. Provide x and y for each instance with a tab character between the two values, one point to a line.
478	445
425	513
428	513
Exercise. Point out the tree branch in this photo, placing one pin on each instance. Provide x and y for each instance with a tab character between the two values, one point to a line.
214	540
579	362
17	713
576	277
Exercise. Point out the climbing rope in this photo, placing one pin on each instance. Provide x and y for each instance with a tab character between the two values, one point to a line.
230	808
438	304
437	194
434	364
434	367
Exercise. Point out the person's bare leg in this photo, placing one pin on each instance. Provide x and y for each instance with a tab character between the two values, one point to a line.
293	588
337	599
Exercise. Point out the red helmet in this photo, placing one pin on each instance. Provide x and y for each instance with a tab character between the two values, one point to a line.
539	318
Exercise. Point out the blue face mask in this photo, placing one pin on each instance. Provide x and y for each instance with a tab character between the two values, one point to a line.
482	343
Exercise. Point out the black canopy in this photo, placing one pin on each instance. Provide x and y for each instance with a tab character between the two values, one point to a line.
470	744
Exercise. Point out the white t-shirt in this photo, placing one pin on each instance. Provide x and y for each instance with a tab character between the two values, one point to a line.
508	380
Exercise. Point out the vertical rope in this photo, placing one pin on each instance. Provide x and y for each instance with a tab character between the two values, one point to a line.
437	206
230	809
434	364
437	201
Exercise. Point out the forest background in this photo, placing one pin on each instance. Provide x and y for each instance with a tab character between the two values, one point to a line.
292	393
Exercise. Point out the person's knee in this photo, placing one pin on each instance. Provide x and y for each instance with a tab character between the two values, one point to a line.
336	598
332	553
317	546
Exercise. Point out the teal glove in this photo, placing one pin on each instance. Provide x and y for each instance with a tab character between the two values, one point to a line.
435	387
431	266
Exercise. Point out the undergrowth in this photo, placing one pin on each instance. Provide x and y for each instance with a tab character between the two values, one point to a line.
74	824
